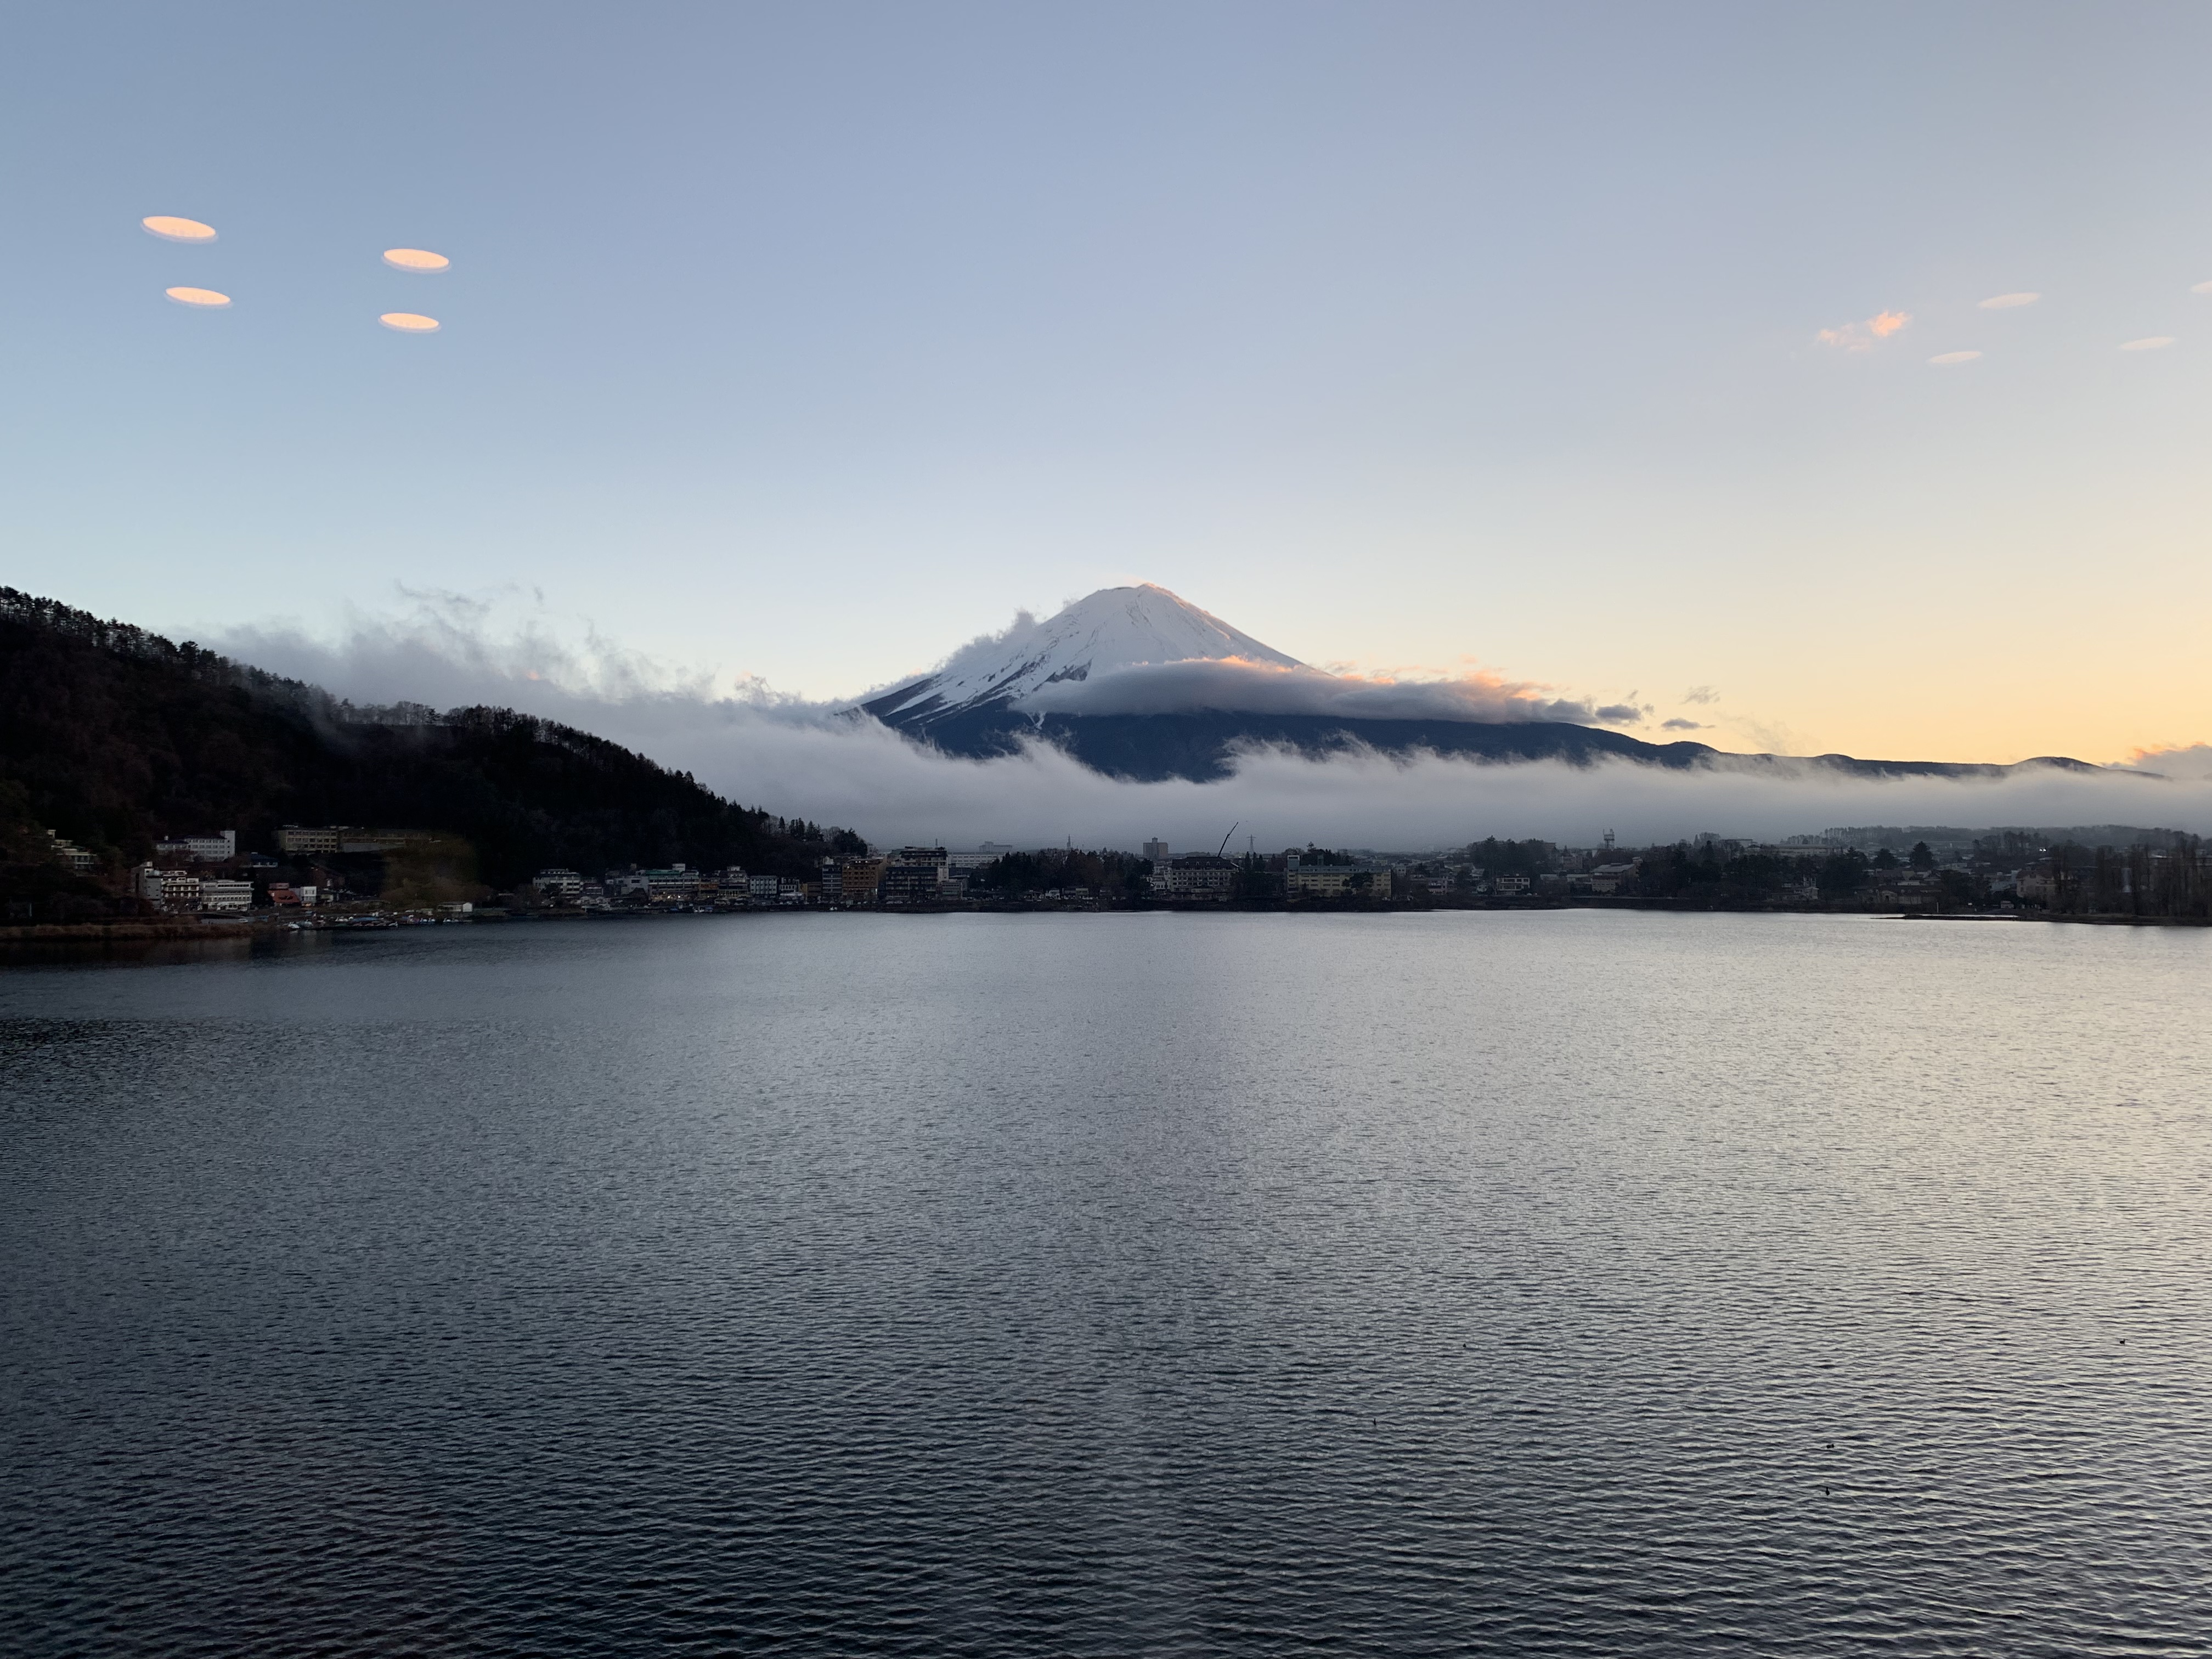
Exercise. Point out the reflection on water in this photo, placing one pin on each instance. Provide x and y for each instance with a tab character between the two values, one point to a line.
241	946
1532	1284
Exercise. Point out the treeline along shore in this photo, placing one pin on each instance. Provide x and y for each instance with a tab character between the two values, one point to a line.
2088	872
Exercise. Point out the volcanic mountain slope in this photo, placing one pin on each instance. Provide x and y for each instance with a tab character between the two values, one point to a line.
1115	629
1141	684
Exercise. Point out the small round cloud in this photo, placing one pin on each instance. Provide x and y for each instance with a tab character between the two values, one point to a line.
2201	288
177	230
205	298
2008	301
418	260
1946	359
2149	342
409	322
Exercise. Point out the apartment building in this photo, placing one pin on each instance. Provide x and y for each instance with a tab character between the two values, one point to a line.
915	875
219	848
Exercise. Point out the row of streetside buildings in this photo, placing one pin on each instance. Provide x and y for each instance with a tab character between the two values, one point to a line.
912	875
1304	877
1201	877
170	882
188	893
178	878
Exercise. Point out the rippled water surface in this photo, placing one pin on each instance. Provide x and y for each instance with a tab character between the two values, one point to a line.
1519	1283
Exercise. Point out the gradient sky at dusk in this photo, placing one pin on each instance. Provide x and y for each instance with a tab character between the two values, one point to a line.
810	341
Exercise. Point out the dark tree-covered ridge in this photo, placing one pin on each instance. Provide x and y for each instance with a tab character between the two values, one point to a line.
112	737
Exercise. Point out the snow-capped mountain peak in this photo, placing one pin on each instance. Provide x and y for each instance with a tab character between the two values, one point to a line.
1114	627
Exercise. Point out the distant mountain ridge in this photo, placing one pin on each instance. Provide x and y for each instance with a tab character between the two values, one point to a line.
1002	691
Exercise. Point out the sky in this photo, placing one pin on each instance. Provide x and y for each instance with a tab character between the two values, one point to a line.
1598	347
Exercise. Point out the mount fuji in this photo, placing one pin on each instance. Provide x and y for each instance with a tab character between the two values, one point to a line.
1141	684
1116	628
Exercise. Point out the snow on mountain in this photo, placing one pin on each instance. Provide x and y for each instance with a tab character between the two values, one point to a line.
1113	628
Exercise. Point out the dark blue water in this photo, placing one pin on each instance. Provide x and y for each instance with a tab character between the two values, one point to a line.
1542	1284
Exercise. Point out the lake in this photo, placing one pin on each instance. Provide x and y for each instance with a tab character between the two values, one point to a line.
1567	1282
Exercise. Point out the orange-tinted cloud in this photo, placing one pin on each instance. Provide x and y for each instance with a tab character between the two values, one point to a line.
2190	760
1861	336
2008	301
205	298
1235	683
416	259
2149	342
1946	359
2201	288
177	230
409	322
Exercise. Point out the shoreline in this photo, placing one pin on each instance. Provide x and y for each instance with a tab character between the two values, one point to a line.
150	932
142	932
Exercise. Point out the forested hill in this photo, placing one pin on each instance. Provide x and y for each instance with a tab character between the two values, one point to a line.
112	737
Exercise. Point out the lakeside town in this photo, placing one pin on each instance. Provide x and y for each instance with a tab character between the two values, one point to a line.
338	875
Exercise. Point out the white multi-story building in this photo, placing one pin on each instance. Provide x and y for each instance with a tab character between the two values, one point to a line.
172	889
1321	880
218	894
563	886
678	883
74	856
915	875
377	841
1201	876
181	891
219	848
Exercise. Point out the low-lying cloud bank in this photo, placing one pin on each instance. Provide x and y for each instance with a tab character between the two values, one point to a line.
1262	688
806	759
2191	762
